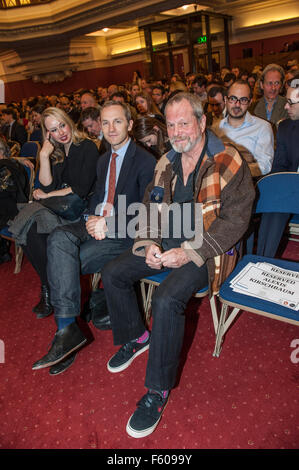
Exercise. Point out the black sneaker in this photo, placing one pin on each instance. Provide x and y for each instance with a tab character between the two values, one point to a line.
146	417
126	355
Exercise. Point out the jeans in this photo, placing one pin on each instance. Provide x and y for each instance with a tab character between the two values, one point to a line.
168	307
70	254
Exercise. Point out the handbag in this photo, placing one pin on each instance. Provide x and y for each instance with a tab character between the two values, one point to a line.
69	207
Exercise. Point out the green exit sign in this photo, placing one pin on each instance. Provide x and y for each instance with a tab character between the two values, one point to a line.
202	39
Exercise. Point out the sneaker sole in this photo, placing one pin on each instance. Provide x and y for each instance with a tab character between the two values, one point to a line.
49	364
124	366
146	432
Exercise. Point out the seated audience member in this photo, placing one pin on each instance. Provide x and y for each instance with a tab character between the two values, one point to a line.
223	71
146	106
69	109
286	158
88	100
183	175
152	133
216	105
13	130
271	106
189	80
67	165
229	79
175	87
199	87
236	71
14	188
135	89
124	171
36	134
244	75
121	97
111	90
252	136
252	78
91	121
159	97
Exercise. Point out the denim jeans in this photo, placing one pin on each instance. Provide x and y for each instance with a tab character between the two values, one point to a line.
168	311
70	254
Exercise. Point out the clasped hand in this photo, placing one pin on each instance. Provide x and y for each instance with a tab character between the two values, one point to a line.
96	227
173	258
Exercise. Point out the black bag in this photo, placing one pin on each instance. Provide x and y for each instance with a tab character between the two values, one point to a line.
69	207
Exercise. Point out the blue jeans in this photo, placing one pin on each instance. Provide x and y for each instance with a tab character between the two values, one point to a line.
70	254
168	311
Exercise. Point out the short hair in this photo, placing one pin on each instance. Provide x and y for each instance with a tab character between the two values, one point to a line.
159	87
192	99
125	107
228	77
39	108
4	148
200	80
241	82
91	113
10	112
215	90
272	68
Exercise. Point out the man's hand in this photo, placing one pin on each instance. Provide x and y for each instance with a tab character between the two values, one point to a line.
96	227
174	258
153	257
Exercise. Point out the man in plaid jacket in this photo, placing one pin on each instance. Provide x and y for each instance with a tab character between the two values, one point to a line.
212	180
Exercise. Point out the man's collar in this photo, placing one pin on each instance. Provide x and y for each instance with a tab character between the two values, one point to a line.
225	122
213	145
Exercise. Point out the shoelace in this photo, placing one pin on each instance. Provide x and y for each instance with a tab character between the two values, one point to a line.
126	348
148	400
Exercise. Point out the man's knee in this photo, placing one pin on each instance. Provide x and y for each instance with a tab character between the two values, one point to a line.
165	301
110	271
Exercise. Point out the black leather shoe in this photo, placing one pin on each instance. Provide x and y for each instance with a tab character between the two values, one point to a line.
65	342
63	365
102	323
43	309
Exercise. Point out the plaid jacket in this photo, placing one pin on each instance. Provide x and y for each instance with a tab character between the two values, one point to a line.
224	187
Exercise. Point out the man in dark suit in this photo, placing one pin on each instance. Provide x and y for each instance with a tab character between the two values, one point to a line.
13	130
86	247
286	158
91	121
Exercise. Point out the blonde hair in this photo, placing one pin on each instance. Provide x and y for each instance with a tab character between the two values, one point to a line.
58	155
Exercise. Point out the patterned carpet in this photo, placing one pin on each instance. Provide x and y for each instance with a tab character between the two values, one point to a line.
245	399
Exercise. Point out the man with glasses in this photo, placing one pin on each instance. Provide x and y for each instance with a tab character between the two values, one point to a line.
286	158
271	105
251	135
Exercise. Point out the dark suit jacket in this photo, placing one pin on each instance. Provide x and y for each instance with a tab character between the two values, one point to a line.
286	156
136	173
18	133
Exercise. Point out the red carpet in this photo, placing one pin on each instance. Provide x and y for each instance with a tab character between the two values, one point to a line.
245	399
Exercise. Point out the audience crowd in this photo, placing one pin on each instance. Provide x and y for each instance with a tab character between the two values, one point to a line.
237	118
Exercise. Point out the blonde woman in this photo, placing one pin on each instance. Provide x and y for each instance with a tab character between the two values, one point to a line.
68	161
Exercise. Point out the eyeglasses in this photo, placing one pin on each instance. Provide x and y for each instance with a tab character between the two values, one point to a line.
276	84
291	102
233	100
